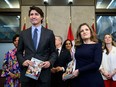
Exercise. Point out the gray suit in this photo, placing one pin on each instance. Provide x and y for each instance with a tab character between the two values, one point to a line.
44	52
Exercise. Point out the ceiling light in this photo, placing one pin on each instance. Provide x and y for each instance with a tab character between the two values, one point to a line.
45	1
70	1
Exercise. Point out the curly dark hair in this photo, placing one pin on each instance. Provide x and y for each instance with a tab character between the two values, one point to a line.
14	37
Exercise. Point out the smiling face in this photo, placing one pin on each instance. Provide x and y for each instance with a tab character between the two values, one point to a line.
108	39
15	42
68	45
35	18
85	32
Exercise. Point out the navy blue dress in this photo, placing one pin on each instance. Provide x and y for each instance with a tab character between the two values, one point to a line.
88	60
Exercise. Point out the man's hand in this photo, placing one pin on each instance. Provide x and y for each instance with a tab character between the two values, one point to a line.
27	63
59	69
56	69
45	64
53	70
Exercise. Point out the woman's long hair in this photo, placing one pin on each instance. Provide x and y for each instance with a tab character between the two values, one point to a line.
79	40
64	44
104	44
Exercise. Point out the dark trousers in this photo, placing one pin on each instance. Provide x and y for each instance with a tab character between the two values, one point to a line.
34	83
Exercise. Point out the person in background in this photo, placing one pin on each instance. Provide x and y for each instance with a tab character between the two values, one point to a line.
68	45
108	66
64	57
88	55
37	42
11	69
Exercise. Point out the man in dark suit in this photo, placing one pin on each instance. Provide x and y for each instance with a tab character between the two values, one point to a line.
43	49
64	57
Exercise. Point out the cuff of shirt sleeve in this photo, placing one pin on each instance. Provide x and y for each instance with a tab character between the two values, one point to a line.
63	69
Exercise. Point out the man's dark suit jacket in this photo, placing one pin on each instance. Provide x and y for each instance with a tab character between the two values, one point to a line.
63	59
44	52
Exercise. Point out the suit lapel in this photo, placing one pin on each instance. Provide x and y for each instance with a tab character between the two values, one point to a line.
31	45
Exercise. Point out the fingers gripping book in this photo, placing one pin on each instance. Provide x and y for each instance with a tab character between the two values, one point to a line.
70	68
35	70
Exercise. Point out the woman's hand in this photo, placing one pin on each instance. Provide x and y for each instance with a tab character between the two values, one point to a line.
107	75
75	73
12	75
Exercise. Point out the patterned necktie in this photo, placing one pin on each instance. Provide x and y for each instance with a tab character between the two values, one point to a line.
35	38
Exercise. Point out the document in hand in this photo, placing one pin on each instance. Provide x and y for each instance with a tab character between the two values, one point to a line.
35	70
70	68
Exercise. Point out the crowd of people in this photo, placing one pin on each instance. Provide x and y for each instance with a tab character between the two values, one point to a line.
95	61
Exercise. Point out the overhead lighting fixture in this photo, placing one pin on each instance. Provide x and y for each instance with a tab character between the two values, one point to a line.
110	4
70	1
9	4
99	19
45	1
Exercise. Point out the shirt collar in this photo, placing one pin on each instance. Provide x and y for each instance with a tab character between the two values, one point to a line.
38	27
59	48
